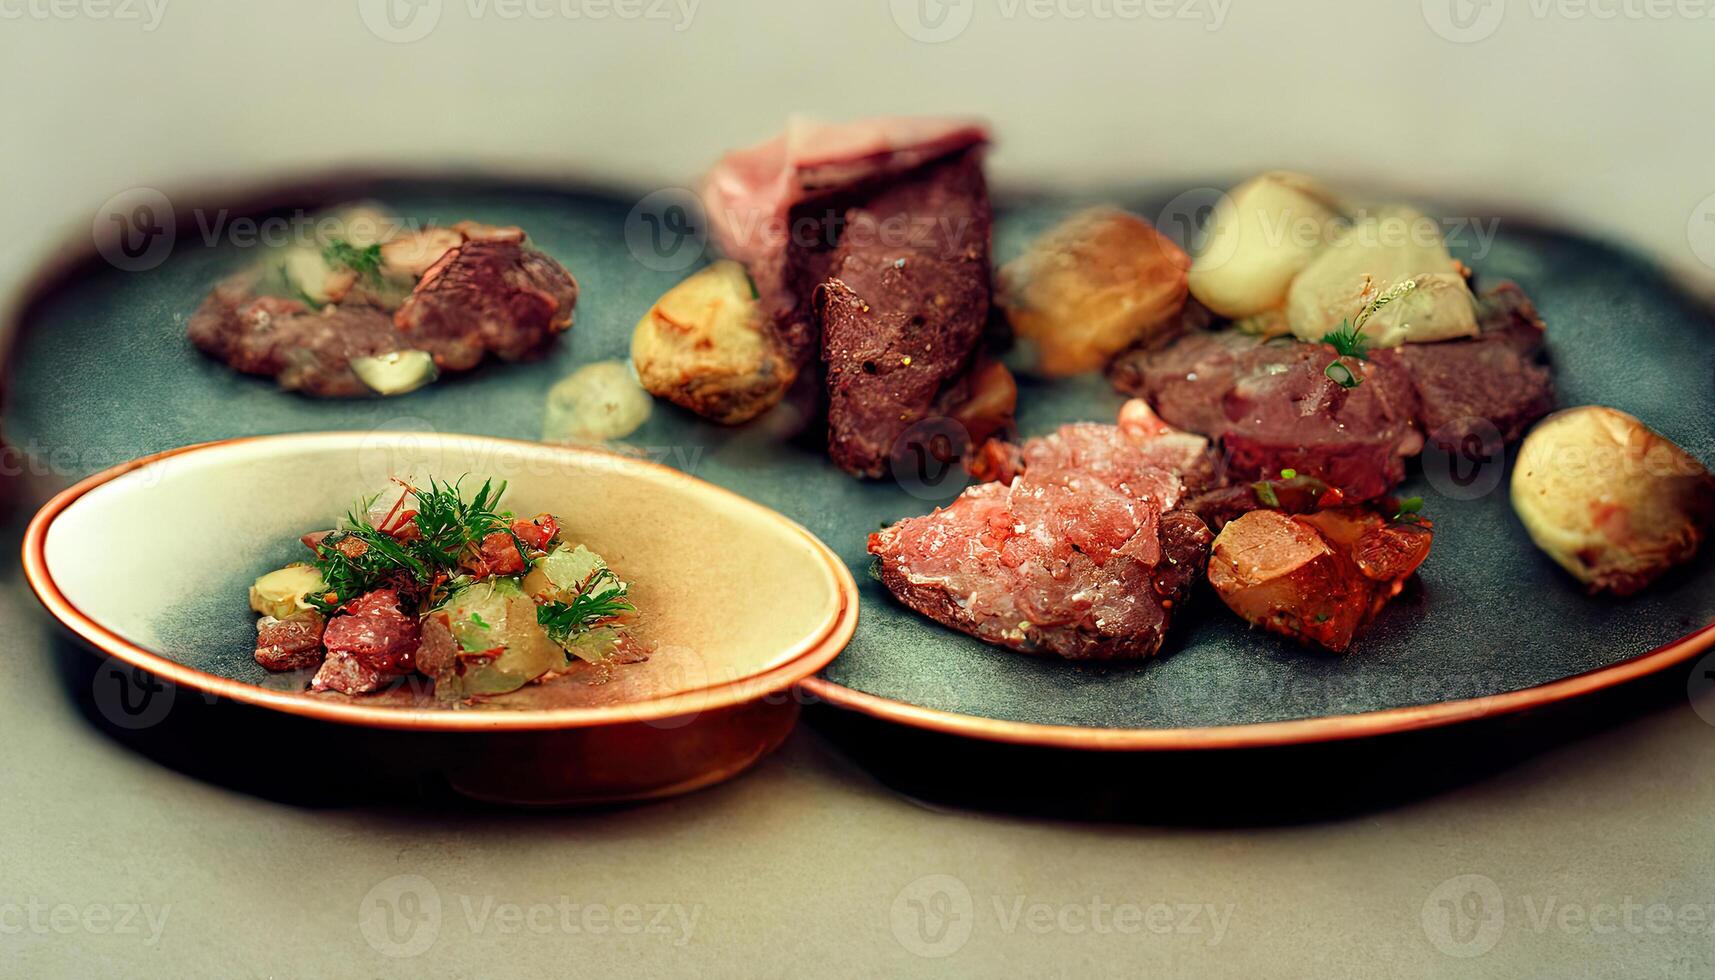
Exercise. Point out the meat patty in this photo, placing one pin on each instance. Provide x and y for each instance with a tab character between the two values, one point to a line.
903	310
1084	555
305	349
1273	408
492	295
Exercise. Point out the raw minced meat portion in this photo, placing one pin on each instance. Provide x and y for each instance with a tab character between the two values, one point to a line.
1085	554
369	642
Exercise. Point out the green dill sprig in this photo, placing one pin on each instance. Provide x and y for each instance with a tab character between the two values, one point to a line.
602	598
1348	338
360	558
452	528
1408	509
366	262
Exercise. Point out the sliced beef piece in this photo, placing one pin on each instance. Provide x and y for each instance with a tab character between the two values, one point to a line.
1085	554
1273	408
371	641
1490	387
904	309
775	206
293	643
306	349
495	295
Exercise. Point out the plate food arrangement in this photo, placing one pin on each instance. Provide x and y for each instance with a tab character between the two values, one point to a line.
1306	466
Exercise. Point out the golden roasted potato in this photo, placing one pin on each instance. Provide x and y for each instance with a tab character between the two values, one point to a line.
1263	233
704	346
1608	498
1373	258
1092	286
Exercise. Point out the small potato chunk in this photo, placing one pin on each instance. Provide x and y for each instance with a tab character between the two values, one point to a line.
1319	577
704	346
281	593
1092	286
1372	258
1263	233
1611	500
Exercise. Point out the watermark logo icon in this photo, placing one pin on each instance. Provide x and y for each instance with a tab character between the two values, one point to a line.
1191	220
1464	21
932	21
403	447
1700	231
1464	916
400	21
1465	459
665	232
928	458
133	230
401	916
130	697
933	916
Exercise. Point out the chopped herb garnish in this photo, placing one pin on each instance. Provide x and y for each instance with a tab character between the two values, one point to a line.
1265	494
1408	509
875	568
1348	338
476	619
601	599
1289	474
366	262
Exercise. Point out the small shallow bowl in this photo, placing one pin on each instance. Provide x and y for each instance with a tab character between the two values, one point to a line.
149	563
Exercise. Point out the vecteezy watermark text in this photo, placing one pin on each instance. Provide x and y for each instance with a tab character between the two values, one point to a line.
404	21
148	13
40	918
934	21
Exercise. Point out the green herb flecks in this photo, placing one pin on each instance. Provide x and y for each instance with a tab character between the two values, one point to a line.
453	528
358	558
366	262
1265	494
1408	509
601	599
1348	338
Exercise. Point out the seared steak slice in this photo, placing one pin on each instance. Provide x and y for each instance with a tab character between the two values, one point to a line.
492	295
1273	408
904	308
1496	377
1084	555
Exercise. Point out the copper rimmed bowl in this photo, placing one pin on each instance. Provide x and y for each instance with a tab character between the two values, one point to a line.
148	562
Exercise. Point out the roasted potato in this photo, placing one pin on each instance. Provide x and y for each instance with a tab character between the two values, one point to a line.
1608	498
1092	286
1317	577
704	346
1263	232
1373	259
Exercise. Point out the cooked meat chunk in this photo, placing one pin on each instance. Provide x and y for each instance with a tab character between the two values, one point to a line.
306	349
369	642
775	206
1316	577
1084	555
493	295
1494	377
1273	407
293	643
904	308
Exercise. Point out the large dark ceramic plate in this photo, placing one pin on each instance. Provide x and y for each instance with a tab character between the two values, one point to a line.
101	373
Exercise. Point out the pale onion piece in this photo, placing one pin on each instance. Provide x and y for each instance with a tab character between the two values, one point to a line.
410	255
597	402
1374	256
1261	235
281	593
704	346
359	225
306	272
395	372
1092	286
1609	499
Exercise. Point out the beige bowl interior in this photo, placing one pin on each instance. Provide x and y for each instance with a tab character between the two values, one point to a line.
726	589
